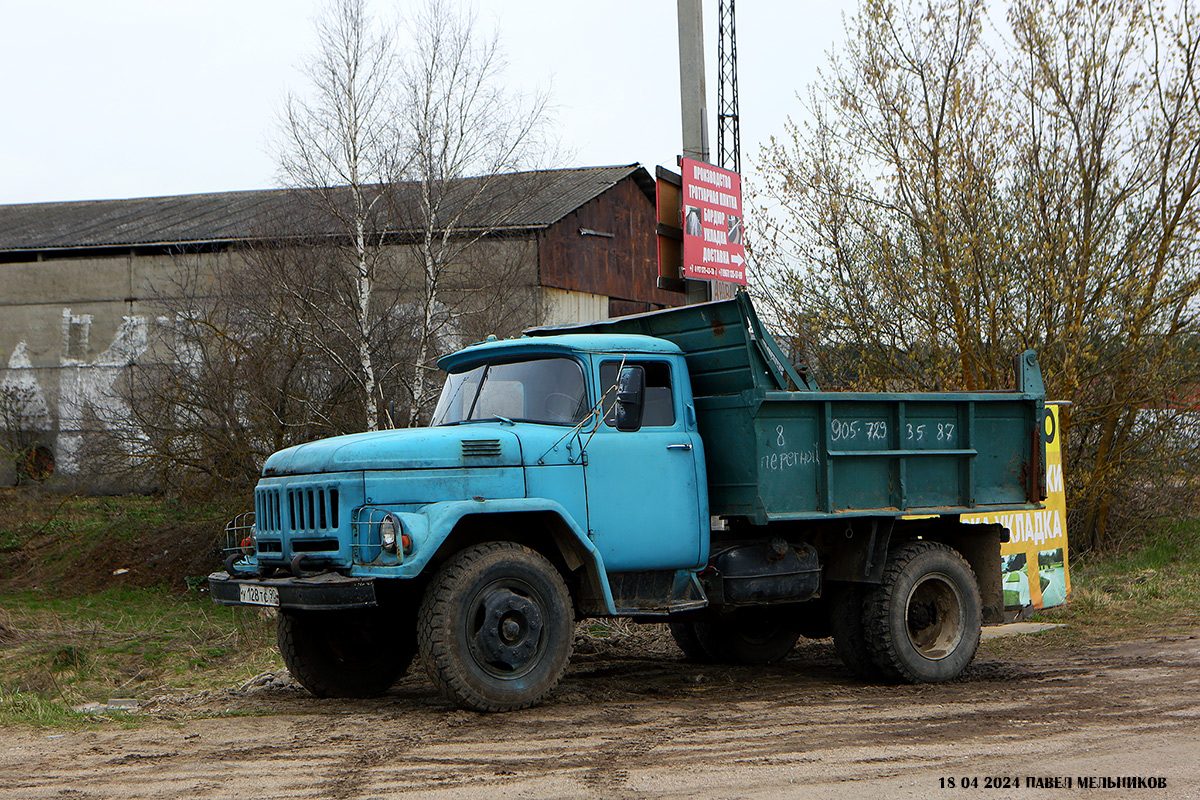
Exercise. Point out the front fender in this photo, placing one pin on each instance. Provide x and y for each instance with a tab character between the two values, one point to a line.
431	525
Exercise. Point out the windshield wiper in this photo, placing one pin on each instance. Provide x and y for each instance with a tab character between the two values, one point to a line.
492	418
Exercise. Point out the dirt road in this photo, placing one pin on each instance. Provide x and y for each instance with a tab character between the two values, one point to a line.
633	720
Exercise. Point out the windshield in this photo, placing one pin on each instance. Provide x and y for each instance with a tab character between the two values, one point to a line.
549	390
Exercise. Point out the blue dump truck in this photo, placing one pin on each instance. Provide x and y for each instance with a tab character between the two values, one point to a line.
665	467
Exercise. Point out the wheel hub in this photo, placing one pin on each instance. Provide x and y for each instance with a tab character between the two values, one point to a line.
507	639
933	616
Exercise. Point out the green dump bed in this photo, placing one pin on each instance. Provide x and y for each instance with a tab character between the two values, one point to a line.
778	448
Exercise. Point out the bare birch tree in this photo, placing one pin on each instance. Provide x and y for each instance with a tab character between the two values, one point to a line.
388	249
423	106
340	148
459	120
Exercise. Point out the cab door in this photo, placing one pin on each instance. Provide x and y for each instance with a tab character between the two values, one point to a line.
647	498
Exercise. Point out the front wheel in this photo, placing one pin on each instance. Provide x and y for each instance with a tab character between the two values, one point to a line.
496	626
359	653
923	621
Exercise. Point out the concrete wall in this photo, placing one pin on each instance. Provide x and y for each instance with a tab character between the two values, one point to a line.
69	327
78	312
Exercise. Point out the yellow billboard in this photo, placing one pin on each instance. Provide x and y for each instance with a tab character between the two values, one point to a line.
1034	560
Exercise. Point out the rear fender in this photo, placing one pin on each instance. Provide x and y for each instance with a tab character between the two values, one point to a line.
980	544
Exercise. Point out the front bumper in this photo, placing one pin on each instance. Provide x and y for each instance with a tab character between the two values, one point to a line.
325	591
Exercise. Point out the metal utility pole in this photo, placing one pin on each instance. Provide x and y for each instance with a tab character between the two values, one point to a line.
729	134
693	103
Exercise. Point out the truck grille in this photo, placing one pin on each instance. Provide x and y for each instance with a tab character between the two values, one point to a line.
297	509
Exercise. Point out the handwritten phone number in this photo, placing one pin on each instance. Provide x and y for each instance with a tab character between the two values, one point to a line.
841	429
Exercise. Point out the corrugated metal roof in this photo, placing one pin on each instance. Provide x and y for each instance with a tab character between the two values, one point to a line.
516	201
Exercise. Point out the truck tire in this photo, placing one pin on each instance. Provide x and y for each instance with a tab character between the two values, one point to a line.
684	634
923	621
356	653
749	636
849	631
495	627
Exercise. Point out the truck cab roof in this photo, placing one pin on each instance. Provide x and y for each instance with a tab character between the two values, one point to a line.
561	344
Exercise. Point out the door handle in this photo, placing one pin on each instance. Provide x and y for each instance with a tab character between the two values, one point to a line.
685	446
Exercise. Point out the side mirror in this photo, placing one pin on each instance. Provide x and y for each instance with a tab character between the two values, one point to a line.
631	398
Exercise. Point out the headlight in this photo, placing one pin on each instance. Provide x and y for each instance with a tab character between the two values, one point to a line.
389	532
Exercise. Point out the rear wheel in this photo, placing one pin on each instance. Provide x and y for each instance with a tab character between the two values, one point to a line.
923	621
496	626
358	653
684	634
849	630
749	636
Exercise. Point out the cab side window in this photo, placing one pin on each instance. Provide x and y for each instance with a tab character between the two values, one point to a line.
660	402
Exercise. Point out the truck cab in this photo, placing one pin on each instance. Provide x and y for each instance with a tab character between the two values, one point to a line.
524	431
558	397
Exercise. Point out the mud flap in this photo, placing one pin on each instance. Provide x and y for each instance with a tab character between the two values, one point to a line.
863	554
980	546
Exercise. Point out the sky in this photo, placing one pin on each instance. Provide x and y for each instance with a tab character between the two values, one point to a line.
133	98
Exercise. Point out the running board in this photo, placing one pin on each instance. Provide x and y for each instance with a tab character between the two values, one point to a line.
656	593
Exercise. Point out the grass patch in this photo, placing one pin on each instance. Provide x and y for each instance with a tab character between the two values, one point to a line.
1156	587
30	516
34	708
1151	591
59	653
82	545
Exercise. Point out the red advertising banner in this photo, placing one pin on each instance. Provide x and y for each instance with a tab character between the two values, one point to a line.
712	223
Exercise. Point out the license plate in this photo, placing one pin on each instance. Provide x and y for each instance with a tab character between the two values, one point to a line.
258	595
